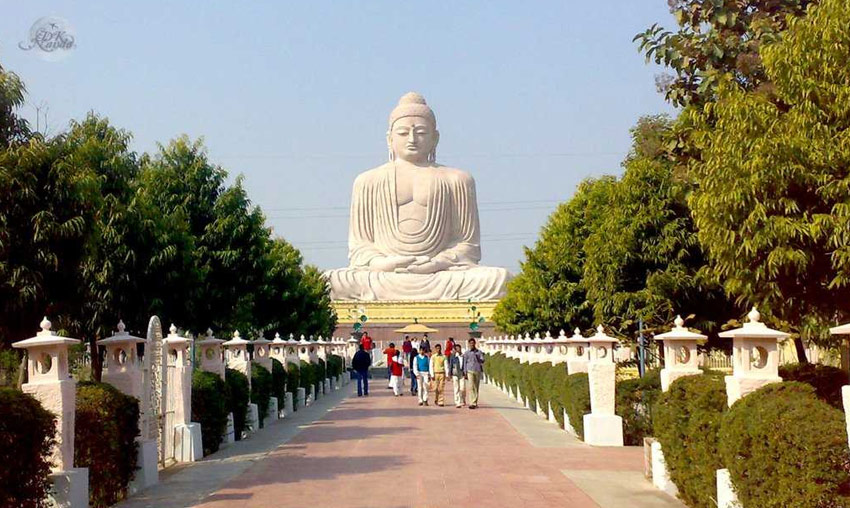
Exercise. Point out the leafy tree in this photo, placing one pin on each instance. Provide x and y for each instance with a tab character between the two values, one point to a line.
13	129
548	293
643	260
716	38
774	185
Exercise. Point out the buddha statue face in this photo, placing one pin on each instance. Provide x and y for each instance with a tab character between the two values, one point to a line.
413	139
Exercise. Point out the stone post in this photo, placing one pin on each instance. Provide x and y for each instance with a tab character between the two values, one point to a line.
212	359
278	350
262	353
124	370
236	356
680	360
680	353
578	353
755	357
755	363
188	446
49	382
845	390
559	349
602	427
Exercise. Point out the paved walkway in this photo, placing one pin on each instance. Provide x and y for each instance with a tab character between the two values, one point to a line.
383	451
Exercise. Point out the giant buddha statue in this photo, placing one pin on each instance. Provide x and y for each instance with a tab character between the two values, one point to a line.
413	231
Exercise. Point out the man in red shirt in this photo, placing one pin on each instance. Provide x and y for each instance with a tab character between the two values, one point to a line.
390	352
450	344
368	346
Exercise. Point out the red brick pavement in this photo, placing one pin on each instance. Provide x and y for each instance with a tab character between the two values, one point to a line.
384	451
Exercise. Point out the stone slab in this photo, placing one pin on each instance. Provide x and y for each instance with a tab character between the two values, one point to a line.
620	489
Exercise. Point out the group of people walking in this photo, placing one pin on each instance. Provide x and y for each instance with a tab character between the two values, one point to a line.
428	369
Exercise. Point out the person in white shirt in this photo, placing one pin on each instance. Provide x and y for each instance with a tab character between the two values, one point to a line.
457	371
422	368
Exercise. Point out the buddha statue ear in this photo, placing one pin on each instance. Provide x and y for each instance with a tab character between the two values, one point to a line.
391	154
432	155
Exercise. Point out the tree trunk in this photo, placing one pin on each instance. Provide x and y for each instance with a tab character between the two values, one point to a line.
801	350
96	364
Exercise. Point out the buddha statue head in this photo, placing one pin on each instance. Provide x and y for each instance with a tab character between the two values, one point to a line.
412	135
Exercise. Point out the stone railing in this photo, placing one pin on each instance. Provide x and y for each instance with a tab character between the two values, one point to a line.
157	371
755	361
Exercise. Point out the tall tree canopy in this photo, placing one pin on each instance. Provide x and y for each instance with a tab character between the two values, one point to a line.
774	177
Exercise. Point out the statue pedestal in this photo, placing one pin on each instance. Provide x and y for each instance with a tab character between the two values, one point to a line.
450	317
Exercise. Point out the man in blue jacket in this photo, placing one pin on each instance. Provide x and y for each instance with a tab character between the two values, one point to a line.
360	363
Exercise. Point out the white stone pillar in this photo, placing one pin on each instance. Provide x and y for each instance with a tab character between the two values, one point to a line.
755	357
680	353
212	359
236	356
124	370
277	350
755	363
188	446
845	390
602	427
262	353
49	382
559	349
578	353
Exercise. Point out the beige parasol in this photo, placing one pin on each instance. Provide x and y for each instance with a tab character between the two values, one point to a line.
416	328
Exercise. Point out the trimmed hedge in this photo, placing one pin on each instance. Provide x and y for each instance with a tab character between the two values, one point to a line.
209	408
686	421
634	401
278	382
293	381
261	391
335	365
827	381
238	396
309	375
556	378
575	397
785	447
107	423
27	435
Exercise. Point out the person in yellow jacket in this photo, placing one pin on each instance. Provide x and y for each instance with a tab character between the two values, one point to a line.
438	374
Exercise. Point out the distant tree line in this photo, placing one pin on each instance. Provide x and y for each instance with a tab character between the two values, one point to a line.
92	232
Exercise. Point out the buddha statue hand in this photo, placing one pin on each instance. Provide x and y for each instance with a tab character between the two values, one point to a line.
426	264
390	263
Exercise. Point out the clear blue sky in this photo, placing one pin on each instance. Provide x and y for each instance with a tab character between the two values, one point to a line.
530	97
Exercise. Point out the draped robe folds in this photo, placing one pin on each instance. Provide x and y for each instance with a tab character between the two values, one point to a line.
450	232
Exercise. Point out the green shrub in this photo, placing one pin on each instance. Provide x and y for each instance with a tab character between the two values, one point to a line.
556	380
335	363
278	382
238	396
539	372
321	373
261	391
634	401
293	381
209	408
785	447
27	435
686	420
826	380
10	362
525	383
575	398
309	374
105	430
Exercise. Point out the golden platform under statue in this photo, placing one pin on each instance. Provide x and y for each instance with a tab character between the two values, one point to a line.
450	317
